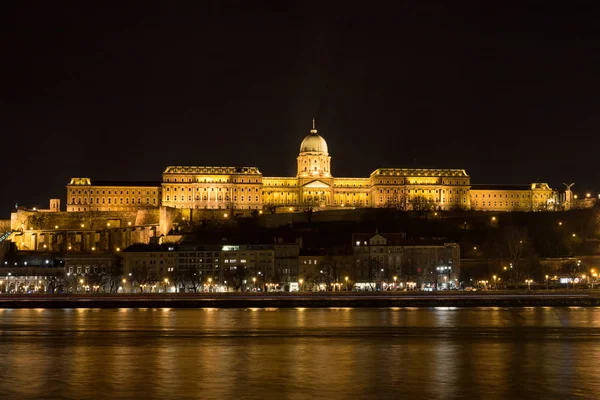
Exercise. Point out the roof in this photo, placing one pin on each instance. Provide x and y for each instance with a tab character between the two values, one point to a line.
145	248
399	239
127	183
390	237
115	183
519	186
314	143
416	172
189	169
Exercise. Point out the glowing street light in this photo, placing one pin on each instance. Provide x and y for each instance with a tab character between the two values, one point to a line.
301	281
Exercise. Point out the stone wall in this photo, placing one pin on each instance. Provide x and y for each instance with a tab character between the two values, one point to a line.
83	231
4	225
25	220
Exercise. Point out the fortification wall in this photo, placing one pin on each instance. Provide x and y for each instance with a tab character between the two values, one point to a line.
83	231
4	225
23	220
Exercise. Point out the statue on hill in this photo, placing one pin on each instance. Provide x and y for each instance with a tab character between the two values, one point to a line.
568	200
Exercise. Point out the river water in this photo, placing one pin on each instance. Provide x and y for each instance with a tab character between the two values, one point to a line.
436	353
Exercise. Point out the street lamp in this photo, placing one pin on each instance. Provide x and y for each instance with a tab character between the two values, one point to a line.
547	282
395	280
495	284
254	282
301	281
528	282
166	284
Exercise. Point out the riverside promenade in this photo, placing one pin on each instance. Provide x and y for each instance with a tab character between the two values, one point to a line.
540	298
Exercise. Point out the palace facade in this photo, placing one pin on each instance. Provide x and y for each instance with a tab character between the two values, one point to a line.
314	187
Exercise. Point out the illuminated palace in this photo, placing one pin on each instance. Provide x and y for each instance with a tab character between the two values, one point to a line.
245	188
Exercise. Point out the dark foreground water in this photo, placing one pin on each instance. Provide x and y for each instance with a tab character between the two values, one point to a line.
531	353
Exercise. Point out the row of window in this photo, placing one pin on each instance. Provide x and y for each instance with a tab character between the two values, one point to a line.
512	204
109	200
87	270
489	195
85	192
222	180
168	189
409	191
433	182
205	198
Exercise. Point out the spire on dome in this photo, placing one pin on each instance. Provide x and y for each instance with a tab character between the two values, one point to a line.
313	130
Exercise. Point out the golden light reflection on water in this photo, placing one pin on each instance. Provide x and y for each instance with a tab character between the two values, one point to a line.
300	353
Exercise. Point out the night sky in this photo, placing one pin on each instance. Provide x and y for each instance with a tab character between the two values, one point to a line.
512	95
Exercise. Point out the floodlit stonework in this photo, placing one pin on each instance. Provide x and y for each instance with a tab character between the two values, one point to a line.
83	194
314	187
532	197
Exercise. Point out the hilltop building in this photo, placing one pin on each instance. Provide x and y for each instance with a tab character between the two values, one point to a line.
314	187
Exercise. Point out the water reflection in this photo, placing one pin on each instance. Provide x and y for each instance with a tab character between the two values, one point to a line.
492	353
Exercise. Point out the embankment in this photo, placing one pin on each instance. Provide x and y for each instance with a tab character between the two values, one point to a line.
242	300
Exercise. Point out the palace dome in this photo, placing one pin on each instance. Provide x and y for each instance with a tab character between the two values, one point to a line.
314	143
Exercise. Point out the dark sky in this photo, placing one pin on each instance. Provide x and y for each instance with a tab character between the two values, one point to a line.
510	94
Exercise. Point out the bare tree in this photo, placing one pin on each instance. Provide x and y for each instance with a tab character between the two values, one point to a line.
237	277
270	208
513	250
435	275
144	276
421	203
409	271
573	270
55	284
95	281
397	201
181	280
194	277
